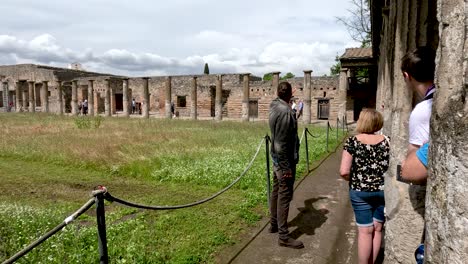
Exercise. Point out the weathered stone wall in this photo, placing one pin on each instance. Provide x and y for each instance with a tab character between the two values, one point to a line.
406	24
261	92
447	195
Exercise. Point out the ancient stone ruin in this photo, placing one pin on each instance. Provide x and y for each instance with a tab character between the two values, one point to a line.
244	97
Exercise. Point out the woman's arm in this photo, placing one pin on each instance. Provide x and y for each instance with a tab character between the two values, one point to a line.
346	161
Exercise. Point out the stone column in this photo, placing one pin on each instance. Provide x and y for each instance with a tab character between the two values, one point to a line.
32	99
45	97
245	98
446	199
18	97
59	98
275	81
193	99
97	100
74	102
342	93
112	100
219	98
145	101
6	99
168	99
25	96
307	96
126	103
107	106
91	97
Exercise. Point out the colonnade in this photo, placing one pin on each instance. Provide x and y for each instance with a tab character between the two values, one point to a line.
26	101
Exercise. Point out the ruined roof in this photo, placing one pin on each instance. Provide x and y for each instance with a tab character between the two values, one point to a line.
357	57
357	53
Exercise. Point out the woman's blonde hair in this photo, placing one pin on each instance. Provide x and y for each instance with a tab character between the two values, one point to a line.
370	121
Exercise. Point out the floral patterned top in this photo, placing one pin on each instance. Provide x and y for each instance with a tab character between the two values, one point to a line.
370	162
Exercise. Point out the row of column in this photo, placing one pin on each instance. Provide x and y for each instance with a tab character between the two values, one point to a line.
307	93
26	99
109	100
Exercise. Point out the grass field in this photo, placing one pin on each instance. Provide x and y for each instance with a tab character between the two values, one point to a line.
50	164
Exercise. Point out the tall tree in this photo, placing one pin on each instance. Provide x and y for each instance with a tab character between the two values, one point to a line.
268	76
206	70
335	69
288	75
358	22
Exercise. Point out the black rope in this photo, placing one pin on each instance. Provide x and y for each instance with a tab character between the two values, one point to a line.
331	129
310	134
111	198
52	232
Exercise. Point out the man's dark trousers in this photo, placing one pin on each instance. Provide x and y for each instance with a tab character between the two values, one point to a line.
282	195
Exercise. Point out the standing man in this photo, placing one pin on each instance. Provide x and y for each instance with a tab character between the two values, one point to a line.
133	106
285	155
418	69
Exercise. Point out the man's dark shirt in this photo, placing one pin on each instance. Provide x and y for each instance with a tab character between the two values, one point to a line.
285	142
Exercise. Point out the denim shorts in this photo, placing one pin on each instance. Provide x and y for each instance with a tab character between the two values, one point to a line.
368	207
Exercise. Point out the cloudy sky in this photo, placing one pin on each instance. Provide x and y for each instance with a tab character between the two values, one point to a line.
137	37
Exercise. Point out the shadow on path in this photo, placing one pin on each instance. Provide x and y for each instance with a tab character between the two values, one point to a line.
308	219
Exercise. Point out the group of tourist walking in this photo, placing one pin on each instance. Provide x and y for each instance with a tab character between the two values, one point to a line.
365	158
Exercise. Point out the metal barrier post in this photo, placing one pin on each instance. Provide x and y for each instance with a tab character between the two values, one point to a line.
328	131
267	158
307	148
337	124
101	226
343	125
346	122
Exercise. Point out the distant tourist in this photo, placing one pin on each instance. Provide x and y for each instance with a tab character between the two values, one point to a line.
285	155
133	106
294	105
85	107
300	106
173	110
364	161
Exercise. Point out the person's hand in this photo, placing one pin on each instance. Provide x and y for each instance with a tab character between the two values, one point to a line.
287	174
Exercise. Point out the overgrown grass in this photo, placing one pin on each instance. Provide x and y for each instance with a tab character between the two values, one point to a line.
49	165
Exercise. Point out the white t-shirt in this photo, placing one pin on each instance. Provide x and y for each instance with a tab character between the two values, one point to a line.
419	122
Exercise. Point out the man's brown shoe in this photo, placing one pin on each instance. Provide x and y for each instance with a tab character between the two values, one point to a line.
291	243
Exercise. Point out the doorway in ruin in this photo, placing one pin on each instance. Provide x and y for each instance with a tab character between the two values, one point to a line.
323	111
253	108
37	93
224	98
118	102
67	96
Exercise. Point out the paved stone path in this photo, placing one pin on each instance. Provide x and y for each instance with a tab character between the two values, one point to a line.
320	216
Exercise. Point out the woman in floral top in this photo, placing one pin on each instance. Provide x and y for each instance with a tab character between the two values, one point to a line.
364	161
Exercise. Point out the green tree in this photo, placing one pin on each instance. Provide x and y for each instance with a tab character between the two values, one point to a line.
358	22
268	76
206	70
335	69
288	75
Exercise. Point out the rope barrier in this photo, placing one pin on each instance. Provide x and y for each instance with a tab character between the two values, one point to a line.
302	136
111	198
52	232
310	134
331	129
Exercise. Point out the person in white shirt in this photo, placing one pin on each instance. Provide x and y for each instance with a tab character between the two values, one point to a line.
418	68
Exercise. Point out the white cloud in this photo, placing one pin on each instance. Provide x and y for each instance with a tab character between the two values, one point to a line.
175	37
276	56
